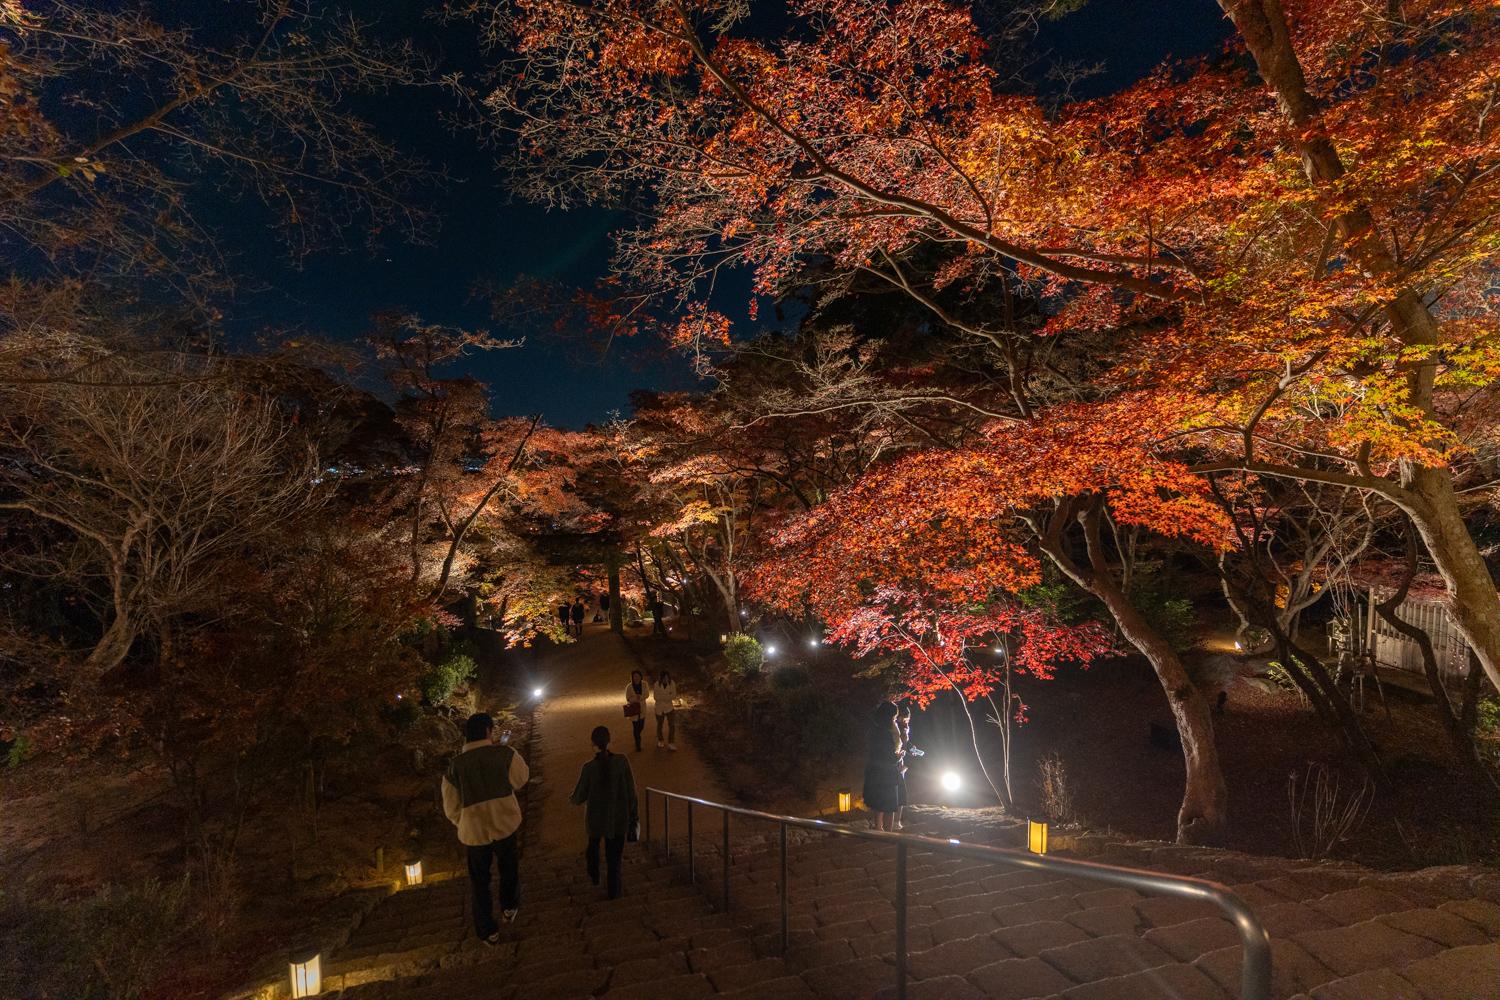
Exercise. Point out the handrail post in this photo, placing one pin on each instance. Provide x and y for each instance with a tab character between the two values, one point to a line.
786	905
726	860
666	825
901	921
692	876
648	816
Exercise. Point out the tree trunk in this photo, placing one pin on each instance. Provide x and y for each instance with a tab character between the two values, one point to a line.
112	648
1473	601
616	612
1204	815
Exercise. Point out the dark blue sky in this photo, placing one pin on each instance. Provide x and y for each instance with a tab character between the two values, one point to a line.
486	237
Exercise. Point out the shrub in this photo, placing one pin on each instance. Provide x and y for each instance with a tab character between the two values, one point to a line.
790	678
1324	814
744	654
19	752
439	683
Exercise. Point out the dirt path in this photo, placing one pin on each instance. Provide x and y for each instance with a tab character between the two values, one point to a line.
585	687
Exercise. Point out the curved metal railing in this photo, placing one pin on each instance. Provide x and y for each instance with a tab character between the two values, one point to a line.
1255	973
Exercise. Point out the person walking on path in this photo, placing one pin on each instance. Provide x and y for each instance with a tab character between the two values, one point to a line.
658	617
578	611
664	694
636	693
882	790
607	787
479	797
564	612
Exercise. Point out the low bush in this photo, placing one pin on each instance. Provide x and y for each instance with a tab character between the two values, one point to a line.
439	683
744	654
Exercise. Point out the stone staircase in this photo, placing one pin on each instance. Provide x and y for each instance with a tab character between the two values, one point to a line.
976	930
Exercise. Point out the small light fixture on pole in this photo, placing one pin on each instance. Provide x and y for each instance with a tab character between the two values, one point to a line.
1036	836
414	872
305	970
846	800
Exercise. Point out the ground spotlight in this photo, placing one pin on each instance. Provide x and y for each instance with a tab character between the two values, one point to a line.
951	781
813	643
770	650
537	693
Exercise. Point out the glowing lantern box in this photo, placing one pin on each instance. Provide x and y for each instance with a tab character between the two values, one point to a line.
1036	837
305	969
414	872
846	800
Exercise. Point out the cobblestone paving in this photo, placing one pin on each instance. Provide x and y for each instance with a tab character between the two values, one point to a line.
975	930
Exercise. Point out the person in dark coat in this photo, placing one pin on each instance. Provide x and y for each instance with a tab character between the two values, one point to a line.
882	791
658	617
564	611
578	617
607	787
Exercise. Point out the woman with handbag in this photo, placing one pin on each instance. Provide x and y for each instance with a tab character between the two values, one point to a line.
636	693
664	694
607	787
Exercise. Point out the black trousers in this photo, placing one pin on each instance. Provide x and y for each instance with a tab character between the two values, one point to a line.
613	848
480	860
636	725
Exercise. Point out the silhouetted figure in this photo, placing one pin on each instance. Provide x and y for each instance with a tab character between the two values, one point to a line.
607	788
578	611
882	790
658	615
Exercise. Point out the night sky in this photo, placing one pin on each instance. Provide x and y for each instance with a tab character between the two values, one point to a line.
487	237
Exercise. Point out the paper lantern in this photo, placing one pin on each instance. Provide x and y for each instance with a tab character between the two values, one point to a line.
414	872
1036	837
846	800
306	973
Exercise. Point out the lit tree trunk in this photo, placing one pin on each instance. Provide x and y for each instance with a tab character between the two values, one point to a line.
616	613
1204	815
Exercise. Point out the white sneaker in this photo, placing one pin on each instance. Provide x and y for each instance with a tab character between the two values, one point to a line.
659	744
671	746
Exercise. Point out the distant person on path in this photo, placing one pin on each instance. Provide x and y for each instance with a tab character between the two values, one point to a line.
636	693
658	616
601	604
604	605
903	725
664	694
578	611
564	612
882	791
608	788
479	797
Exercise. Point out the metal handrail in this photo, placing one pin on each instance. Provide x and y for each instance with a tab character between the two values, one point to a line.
1255	974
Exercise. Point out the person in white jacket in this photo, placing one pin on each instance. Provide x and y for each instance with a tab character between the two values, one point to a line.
664	694
637	693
